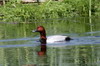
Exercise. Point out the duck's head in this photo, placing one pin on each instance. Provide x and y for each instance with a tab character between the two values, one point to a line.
39	29
42	32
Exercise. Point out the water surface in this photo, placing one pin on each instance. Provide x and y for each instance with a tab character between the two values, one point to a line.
19	46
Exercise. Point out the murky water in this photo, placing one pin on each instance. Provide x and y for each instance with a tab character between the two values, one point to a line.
19	46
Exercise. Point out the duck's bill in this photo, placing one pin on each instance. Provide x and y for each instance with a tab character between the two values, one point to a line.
34	31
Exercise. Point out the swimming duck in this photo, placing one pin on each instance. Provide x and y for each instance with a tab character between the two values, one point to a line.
50	39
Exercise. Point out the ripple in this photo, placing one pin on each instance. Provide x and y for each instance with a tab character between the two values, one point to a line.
18	39
92	32
33	42
22	45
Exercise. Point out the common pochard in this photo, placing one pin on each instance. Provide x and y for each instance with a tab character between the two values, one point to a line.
50	39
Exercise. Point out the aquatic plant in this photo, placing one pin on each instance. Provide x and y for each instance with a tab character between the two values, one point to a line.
17	12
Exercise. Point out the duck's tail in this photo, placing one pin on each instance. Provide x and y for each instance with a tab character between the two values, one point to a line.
68	39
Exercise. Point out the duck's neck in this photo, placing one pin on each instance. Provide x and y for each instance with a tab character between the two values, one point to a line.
43	37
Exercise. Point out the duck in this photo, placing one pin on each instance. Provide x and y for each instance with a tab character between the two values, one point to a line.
50	39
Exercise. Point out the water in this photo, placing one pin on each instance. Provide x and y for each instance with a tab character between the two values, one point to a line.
19	46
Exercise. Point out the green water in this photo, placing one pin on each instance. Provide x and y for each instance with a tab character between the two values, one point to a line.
18	46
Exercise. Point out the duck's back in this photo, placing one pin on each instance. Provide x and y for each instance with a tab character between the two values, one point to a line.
56	38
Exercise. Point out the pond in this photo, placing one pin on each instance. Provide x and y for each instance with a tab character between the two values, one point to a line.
19	46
